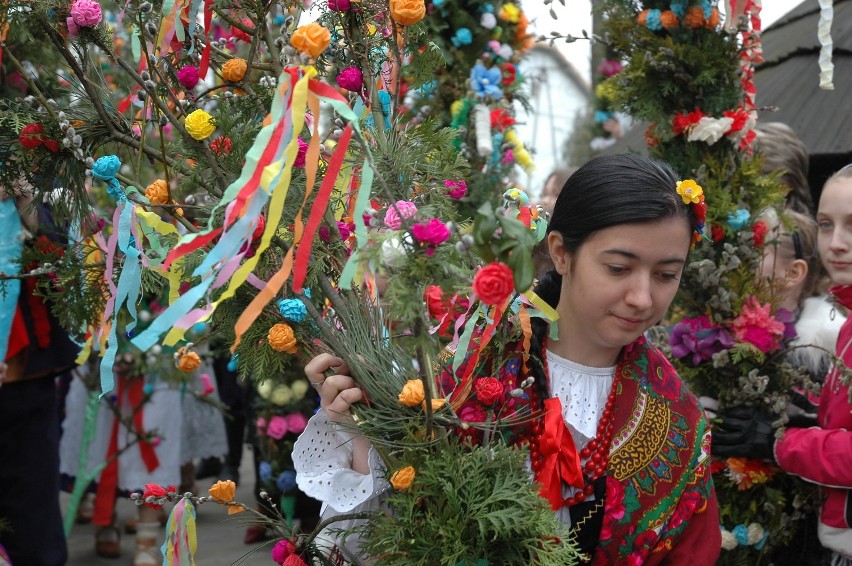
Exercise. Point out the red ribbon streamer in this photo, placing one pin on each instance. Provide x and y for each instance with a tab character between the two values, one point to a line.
304	252
561	459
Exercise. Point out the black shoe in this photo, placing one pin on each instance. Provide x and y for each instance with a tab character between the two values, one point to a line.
208	468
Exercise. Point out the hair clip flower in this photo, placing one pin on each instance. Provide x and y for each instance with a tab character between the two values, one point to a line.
693	196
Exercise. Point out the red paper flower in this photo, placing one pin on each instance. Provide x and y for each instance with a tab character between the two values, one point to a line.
509	73
157	492
488	390
501	119
31	136
682	122
493	283
435	302
240	34
221	145
760	231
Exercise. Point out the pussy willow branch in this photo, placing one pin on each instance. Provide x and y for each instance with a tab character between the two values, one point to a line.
30	83
95	98
253	65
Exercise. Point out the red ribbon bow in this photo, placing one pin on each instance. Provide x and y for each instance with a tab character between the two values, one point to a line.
561	459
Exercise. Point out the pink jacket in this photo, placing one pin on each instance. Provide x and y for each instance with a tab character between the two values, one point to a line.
823	454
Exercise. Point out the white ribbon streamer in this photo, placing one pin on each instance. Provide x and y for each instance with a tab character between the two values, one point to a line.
826	66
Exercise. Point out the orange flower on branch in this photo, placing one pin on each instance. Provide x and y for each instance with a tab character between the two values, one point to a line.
746	473
311	39
187	361
223	492
282	339
407	12
234	70
158	192
412	393
403	478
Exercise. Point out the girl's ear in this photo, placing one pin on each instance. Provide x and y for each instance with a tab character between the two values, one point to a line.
558	254
796	273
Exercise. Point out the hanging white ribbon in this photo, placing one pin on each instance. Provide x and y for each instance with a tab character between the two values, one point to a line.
826	66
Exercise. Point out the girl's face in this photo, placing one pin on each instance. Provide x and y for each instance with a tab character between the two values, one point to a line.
834	219
616	286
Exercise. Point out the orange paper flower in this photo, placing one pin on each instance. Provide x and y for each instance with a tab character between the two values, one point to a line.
223	492
402	479
412	393
311	39
234	70
187	361
714	20
407	12
694	17
158	192
282	339
669	20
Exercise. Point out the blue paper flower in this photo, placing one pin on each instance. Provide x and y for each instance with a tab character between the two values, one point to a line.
264	471
463	36
602	116
739	219
292	309
106	167
741	533
707	7
286	481
653	20
679	8
486	82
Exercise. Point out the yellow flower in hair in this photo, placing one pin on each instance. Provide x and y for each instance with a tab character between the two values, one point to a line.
690	191
200	125
510	13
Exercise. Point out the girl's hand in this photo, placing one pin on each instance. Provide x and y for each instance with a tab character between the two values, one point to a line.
338	392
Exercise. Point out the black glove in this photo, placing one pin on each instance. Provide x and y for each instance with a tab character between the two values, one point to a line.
744	431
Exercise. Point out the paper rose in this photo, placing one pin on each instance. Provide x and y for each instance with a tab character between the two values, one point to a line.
407	12
488	390
86	13
432	233
351	78
293	310
311	39
394	215
412	393
456	189
157	192
234	70
282	549
699	338
339	5
187	361
188	76
221	145
223	492
276	428
402	479
301	153
282	339
493	283
200	125
756	325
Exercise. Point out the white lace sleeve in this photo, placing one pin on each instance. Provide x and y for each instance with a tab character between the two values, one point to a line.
322	458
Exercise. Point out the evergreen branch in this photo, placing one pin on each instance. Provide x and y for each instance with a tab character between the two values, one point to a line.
252	64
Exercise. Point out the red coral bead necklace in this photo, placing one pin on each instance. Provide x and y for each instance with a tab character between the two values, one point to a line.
594	456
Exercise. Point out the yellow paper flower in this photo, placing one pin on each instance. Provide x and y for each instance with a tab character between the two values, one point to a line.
282	339
158	192
690	191
311	39
510	13
402	479
456	107
200	125
234	70
223	492
187	361
412	393
407	12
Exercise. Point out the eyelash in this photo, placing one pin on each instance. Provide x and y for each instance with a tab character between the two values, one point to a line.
665	276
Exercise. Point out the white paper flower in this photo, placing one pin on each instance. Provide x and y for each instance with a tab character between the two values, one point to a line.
729	541
709	130
488	20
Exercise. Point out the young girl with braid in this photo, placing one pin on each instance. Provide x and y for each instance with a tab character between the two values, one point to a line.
639	490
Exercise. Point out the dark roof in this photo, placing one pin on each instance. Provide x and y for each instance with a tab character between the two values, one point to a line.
788	80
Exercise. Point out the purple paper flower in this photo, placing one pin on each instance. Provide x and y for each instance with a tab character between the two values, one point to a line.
456	189
351	79
188	77
699	337
433	233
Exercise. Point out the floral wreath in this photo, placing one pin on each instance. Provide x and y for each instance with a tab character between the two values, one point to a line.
693	196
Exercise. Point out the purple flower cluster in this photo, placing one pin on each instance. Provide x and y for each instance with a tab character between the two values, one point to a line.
700	338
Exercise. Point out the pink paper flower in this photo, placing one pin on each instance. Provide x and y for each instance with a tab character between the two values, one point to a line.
351	79
260	426
433	233
406	208
339	5
277	427
756	325
300	156
457	189
282	549
188	76
296	423
86	13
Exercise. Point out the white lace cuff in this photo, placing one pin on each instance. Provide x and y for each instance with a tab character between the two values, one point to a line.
322	458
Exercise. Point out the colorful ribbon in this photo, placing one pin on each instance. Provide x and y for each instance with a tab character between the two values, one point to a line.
561	459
